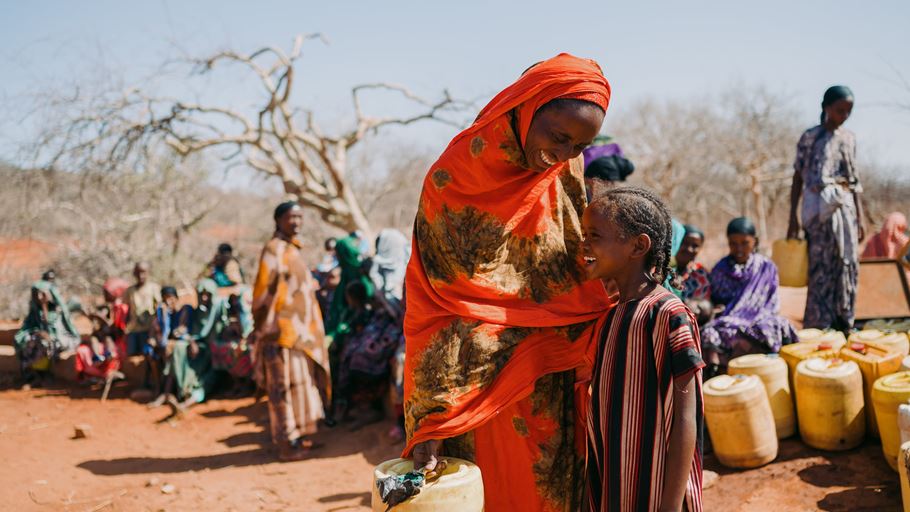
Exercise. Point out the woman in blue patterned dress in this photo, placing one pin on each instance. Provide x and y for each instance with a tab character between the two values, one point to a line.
832	215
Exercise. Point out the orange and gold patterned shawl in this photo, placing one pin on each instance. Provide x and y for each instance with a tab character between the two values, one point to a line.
289	315
496	298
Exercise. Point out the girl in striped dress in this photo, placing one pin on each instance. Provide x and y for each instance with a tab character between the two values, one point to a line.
645	419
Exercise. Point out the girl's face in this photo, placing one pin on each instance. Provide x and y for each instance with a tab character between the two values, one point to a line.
838	112
607	253
691	245
741	247
558	134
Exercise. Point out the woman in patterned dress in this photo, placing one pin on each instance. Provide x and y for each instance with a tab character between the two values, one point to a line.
832	215
499	318
293	363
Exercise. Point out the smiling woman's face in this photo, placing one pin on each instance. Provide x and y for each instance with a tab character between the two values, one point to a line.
560	132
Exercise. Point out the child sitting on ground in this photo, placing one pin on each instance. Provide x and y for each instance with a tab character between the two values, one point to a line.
171	323
644	446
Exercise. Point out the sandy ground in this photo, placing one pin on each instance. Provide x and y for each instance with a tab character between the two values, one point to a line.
218	458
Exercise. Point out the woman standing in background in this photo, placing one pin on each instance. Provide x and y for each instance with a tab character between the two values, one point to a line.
832	215
292	363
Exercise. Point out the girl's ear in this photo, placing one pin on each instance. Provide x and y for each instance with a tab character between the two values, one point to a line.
641	246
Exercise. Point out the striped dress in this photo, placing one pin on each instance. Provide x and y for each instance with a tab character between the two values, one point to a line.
644	345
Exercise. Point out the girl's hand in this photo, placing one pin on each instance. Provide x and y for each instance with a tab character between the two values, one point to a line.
861	232
426	456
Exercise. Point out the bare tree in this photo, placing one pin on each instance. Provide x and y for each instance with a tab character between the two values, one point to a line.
280	140
94	225
730	155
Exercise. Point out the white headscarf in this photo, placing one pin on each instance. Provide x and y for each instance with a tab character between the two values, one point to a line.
393	250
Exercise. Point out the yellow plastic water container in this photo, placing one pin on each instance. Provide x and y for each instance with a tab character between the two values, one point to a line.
792	260
896	341
888	394
740	421
773	372
826	348
903	469
829	403
459	488
875	361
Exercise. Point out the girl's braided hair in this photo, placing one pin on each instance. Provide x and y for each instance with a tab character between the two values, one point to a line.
636	211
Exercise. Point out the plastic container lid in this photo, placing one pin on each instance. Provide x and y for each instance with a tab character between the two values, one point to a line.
869	335
857	347
827	368
754	361
809	334
725	385
896	382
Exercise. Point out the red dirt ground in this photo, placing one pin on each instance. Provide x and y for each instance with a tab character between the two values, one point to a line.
219	458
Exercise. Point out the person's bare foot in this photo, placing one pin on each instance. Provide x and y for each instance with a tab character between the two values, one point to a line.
176	410
298	449
158	402
185	405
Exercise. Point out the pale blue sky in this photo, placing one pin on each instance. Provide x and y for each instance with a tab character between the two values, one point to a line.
661	49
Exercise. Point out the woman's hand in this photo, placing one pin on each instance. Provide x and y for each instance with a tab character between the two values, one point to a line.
426	456
861	231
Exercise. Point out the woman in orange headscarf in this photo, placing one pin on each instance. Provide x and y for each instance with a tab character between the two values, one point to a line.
499	320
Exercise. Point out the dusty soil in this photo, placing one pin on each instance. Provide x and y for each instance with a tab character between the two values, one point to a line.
218	458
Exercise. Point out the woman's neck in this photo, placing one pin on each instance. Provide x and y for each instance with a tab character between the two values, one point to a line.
634	286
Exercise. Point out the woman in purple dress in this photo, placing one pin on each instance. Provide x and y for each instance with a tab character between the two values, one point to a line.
745	284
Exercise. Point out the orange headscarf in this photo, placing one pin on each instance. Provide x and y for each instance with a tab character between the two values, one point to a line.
496	296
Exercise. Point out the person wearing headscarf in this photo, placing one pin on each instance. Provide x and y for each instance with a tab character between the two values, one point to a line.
171	324
101	356
892	238
47	331
605	166
291	361
189	367
350	260
832	215
693	276
745	284
393	250
499	315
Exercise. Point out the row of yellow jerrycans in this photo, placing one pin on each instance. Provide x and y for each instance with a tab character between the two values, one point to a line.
826	381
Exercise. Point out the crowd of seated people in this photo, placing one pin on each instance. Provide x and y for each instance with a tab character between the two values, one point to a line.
192	346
